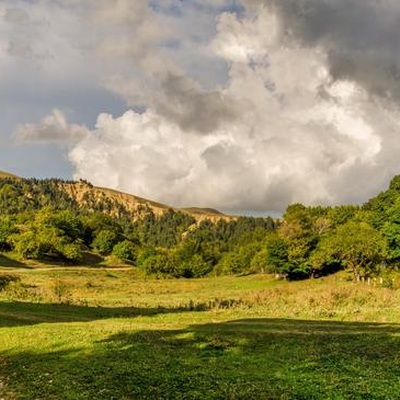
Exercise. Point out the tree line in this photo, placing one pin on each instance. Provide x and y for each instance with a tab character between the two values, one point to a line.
316	241
39	220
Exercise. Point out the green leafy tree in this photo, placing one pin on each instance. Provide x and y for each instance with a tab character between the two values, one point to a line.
195	267
299	233
125	250
96	222
382	205
27	245
40	237
161	264
239	260
68	223
354	245
70	251
341	214
277	257
7	228
391	230
105	240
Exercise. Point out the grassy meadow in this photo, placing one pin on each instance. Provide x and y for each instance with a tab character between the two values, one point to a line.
108	333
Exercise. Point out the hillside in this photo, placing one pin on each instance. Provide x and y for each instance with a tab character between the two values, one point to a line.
76	222
4	174
113	201
85	193
63	220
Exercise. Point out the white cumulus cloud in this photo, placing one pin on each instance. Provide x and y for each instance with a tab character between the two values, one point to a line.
280	130
245	105
54	128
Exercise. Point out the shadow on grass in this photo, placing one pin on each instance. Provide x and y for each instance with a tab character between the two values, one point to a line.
24	313
91	259
243	359
7	262
88	260
19	313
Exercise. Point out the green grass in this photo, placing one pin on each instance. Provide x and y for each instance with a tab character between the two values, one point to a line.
79	333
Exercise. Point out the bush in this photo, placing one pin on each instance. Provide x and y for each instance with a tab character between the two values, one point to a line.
196	267
6	279
238	261
71	251
160	265
125	250
105	240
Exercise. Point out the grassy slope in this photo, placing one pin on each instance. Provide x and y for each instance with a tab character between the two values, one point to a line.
78	189
127	338
4	174
131	202
203	210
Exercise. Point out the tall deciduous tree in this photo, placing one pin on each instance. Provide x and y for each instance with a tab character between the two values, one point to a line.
355	245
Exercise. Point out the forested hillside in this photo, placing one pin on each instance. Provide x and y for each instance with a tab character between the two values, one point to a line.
66	221
314	241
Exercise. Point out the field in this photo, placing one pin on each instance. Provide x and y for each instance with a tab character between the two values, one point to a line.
96	333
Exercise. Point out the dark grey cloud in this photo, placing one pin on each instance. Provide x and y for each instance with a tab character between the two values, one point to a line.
194	109
360	37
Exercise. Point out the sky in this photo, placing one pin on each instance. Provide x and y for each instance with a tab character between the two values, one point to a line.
240	105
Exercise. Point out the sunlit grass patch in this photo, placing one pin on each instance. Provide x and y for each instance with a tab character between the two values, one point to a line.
113	335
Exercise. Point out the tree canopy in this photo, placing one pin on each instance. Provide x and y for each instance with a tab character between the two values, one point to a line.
40	220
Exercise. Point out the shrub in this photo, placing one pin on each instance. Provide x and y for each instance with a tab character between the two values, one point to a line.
6	279
105	240
125	250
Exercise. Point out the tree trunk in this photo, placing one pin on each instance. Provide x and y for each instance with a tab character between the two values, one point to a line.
355	271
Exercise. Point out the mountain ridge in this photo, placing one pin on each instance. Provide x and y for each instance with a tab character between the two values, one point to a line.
4	174
85	193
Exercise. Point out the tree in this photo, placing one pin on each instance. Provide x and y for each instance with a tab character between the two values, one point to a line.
259	262
96	222
195	267
391	230
68	223
125	250
7	228
341	214
300	237
105	240
40	237
160	264
27	245
354	245
239	260
382	204
277	254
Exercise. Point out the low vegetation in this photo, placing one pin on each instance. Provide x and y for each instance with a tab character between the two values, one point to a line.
79	333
